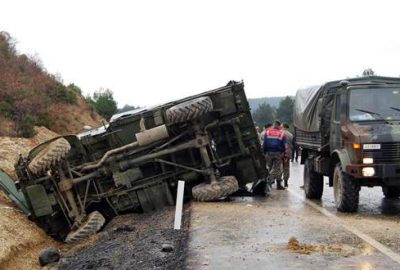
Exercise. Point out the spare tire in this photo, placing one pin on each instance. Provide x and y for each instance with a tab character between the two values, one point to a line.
189	110
92	224
52	153
204	192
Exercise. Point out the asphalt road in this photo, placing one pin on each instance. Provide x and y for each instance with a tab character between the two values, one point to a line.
253	232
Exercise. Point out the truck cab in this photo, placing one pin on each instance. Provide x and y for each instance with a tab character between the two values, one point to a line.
350	131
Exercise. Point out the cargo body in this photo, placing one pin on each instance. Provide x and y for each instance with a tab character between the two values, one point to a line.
349	131
73	184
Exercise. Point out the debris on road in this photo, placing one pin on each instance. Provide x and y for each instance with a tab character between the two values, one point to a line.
295	246
135	241
167	248
49	256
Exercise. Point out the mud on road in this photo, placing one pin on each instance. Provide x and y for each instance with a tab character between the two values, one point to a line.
134	241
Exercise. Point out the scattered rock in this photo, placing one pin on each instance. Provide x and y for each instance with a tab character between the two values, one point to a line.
48	256
125	228
167	248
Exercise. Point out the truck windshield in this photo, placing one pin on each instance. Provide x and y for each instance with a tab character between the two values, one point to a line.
374	104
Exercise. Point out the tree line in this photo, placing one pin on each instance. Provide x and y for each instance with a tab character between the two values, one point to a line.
265	113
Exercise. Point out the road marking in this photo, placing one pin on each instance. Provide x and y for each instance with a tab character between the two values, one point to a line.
382	248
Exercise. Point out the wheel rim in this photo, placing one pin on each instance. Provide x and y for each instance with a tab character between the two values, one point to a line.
337	186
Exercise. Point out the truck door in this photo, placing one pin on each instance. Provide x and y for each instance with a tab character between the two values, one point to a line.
336	134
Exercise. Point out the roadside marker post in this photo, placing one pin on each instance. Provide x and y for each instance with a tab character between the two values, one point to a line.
179	203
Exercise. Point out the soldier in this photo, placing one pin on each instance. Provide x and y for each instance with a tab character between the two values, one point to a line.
288	153
266	127
274	148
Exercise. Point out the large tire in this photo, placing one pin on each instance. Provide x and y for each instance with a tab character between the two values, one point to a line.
49	156
313	181
189	110
391	192
346	191
227	185
92	224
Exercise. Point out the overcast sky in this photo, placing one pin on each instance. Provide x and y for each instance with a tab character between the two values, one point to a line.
149	52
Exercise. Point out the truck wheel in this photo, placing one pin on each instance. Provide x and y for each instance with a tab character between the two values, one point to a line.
92	224
189	110
49	156
214	191
391	192
346	191
313	181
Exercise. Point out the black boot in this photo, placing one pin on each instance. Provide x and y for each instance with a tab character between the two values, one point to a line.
279	185
286	183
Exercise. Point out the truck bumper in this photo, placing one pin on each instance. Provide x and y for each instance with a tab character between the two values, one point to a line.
381	171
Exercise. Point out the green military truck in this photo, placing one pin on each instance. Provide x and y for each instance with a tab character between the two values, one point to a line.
349	131
73	184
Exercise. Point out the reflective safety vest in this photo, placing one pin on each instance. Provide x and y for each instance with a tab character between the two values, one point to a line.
274	141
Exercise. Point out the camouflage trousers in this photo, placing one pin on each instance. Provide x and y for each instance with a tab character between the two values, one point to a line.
286	169
274	164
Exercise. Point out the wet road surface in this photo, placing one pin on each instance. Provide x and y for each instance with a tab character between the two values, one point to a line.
253	232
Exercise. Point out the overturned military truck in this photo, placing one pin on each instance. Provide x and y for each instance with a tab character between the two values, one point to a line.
72	184
350	131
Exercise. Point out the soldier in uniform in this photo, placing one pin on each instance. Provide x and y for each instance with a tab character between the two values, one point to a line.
274	148
262	135
288	153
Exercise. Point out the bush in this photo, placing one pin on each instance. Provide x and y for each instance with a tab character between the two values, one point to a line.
6	110
74	88
103	102
26	128
43	120
59	93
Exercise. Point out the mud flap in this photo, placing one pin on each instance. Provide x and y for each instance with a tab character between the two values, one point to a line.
17	196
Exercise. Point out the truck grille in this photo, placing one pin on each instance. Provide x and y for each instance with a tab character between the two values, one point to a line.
390	152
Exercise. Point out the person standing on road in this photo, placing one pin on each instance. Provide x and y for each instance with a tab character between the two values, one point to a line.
274	148
295	152
266	127
288	153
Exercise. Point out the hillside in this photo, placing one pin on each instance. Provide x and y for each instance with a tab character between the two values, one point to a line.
273	101
29	96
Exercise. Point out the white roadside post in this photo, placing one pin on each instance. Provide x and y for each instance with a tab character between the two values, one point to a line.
179	203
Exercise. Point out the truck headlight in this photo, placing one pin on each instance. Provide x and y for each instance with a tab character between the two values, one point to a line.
368	160
368	171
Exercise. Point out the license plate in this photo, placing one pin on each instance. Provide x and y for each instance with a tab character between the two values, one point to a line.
371	146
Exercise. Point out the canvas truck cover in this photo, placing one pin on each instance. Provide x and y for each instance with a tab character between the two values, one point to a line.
306	109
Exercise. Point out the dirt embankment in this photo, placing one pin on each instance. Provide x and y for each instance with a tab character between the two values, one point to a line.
71	118
21	240
12	147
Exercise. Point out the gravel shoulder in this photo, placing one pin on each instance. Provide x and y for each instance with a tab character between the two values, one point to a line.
134	241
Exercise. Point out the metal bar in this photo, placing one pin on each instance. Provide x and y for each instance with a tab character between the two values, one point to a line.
60	195
180	166
242	148
62	210
169	142
85	177
124	165
68	194
109	153
86	191
80	203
